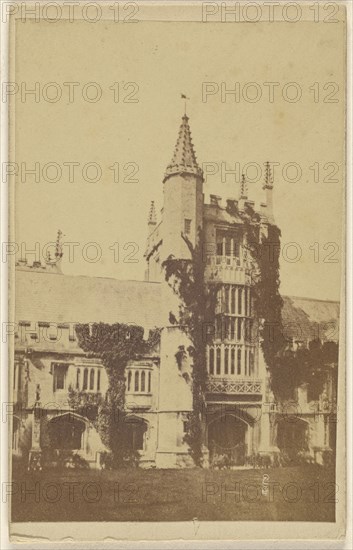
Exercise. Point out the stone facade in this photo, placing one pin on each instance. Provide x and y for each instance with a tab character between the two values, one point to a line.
241	419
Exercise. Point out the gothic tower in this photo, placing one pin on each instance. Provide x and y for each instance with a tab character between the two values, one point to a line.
181	223
183	197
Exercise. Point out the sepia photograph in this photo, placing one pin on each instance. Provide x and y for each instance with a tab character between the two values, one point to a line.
176	253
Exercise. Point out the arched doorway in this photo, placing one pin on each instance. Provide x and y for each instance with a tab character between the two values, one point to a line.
135	433
66	432
292	438
226	437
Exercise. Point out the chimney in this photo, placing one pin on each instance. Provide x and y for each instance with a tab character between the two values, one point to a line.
215	200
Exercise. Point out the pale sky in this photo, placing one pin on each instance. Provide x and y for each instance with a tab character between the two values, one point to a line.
166	59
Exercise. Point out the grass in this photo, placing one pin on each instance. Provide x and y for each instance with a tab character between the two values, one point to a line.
304	493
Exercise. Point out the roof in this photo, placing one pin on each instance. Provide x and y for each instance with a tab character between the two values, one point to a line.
184	158
42	296
305	319
55	298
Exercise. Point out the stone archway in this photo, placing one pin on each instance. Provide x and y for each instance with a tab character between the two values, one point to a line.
292	437
66	432
135	433
227	440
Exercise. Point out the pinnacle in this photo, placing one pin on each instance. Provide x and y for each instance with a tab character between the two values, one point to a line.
184	158
152	217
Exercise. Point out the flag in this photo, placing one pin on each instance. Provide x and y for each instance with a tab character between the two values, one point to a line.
183	96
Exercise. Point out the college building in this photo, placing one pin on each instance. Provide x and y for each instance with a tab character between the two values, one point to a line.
241	419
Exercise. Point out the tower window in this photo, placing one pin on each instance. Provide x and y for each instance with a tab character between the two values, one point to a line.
187	226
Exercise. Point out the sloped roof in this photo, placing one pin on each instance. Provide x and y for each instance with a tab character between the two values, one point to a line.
55	298
305	319
42	296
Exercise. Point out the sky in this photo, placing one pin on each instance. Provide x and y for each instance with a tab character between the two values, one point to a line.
140	70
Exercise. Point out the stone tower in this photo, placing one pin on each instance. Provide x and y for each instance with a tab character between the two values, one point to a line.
182	217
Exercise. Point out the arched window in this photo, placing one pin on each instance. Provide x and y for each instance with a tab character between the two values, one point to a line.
149	382
136	380
78	374
240	299
211	360
226	350
239	329
85	379
129	380
232	361
218	361
91	380
98	380
239	362
232	307
226	299
143	380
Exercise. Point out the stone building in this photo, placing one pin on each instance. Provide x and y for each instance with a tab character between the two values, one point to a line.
241	419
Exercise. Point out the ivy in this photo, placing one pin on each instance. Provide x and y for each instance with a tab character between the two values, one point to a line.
196	310
115	345
288	369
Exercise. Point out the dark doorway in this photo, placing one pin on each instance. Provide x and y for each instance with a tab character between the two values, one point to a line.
65	432
226	441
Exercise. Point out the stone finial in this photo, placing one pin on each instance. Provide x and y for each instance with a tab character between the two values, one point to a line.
243	188
268	177
152	216
58	246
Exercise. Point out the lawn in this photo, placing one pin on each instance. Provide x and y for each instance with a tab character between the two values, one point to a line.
305	493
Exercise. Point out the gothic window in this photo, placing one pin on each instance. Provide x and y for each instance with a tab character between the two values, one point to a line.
91	380
239	362
135	433
246	362
232	303
226	299
232	329
246	301
187	226
129	380
98	380
226	357
239	324
218	364
211	360
143	381
149	382
85	380
251	363
136	380
78	372
240	299
59	377
232	361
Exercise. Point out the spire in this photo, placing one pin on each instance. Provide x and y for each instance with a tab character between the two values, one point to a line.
58	246
243	188
268	188
152	216
268	177
184	158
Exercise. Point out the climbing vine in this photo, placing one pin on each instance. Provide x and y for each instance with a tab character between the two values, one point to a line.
196	312
288	369
115	345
